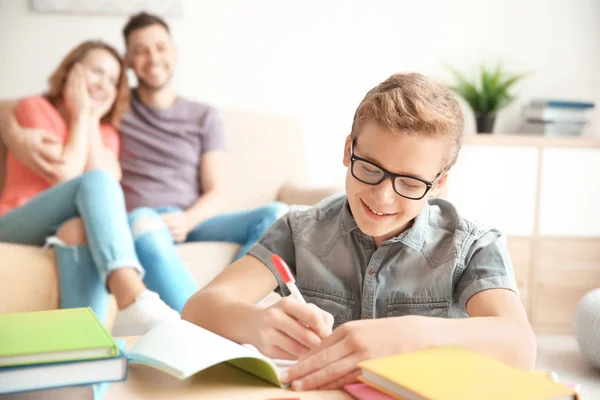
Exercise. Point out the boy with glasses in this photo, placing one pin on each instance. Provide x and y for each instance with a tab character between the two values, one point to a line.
388	267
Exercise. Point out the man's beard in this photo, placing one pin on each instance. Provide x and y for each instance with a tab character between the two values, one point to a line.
153	88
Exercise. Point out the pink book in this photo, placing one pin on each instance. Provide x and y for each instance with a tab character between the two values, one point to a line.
361	391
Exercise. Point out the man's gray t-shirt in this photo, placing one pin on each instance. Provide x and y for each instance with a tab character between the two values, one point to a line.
431	269
161	150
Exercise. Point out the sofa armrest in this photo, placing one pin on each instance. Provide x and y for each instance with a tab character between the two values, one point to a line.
291	194
28	279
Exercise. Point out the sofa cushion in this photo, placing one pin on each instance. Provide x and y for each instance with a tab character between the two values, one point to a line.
206	259
29	280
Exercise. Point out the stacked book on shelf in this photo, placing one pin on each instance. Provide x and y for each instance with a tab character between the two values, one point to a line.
57	353
556	117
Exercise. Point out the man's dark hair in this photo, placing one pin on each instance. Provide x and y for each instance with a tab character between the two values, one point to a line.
142	20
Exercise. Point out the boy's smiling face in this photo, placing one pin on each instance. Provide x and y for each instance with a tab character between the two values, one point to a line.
415	155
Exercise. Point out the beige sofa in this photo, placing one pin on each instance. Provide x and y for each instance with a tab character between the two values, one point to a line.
267	163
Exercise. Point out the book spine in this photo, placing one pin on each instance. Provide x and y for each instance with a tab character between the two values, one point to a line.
114	349
562	104
555	114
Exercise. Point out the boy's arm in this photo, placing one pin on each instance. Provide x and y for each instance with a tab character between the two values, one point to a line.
228	306
487	291
498	328
34	148
232	297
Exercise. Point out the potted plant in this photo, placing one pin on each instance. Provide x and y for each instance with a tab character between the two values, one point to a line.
487	94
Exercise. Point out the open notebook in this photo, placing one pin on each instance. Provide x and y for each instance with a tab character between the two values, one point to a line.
182	349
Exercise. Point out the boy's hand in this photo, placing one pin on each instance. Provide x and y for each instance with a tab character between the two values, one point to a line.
334	363
290	328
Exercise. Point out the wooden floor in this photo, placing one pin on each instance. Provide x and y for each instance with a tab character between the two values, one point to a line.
560	354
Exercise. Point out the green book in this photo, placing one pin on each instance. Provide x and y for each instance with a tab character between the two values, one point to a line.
52	336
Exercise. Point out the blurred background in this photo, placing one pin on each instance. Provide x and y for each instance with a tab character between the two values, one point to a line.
314	60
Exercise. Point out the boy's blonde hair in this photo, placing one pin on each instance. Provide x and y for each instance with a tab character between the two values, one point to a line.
416	105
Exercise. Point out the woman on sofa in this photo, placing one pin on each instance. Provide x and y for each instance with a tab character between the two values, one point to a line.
88	93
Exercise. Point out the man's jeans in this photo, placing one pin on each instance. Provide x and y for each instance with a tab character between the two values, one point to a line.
242	227
158	254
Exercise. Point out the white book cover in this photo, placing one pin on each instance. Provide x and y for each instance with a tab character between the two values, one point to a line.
550	114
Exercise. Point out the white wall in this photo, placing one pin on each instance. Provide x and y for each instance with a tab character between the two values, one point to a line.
315	59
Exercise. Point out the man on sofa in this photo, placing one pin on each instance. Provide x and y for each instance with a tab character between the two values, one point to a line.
172	149
172	155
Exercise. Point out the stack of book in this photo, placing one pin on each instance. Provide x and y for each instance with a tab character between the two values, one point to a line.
556	117
57	354
452	373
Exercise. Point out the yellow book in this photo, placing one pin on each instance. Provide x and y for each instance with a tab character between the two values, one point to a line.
455	373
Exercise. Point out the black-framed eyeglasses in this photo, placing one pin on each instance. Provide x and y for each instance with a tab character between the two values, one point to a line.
406	186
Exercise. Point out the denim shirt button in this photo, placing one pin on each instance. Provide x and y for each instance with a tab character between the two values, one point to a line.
372	271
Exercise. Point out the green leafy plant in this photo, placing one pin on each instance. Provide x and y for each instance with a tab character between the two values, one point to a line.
488	93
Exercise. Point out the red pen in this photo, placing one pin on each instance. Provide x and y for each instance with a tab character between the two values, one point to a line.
286	275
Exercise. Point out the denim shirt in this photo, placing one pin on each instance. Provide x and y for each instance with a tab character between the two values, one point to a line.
431	269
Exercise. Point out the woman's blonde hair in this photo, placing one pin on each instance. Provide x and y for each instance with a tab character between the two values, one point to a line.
413	104
58	79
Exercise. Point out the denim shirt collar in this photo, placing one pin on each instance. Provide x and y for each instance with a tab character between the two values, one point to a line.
347	221
413	237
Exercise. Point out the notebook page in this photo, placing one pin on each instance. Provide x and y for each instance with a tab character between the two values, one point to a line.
181	349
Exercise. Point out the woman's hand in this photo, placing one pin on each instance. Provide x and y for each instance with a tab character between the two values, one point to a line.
76	97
